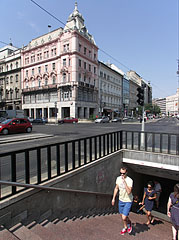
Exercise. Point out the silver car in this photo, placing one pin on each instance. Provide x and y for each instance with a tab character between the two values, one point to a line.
103	119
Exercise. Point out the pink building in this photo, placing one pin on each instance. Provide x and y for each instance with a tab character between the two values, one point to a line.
60	73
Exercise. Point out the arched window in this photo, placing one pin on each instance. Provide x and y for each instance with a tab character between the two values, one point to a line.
46	81
64	77
53	80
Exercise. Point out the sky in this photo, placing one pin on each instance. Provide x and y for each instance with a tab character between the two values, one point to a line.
139	35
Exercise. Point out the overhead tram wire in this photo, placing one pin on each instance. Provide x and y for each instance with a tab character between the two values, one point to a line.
99	48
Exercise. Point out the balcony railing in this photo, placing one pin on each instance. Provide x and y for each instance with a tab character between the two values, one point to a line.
40	164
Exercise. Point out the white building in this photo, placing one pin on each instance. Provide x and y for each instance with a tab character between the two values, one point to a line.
172	102
110	90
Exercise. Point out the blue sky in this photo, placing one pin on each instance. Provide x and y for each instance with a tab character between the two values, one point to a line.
140	34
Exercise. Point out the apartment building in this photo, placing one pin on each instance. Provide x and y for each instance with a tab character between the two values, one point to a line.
10	76
110	91
59	73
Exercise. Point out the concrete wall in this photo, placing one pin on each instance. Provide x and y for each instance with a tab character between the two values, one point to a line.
98	176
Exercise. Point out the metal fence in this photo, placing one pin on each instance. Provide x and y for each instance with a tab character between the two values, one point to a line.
39	164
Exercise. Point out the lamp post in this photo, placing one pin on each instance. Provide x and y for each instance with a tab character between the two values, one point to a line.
55	112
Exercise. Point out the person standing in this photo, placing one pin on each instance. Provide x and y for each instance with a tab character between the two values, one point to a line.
124	186
148	199
173	211
158	190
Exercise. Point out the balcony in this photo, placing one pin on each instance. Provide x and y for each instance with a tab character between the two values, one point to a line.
37	89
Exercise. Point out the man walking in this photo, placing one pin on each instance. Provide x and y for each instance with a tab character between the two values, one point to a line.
124	186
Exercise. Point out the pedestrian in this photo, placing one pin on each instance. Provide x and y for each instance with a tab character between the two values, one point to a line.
124	186
148	200
158	189
173	211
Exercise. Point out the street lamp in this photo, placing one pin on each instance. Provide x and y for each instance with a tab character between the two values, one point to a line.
55	112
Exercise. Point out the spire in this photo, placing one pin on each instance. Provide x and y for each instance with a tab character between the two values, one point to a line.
76	6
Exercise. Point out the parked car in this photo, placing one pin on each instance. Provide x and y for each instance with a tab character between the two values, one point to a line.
40	120
116	119
103	119
68	120
15	125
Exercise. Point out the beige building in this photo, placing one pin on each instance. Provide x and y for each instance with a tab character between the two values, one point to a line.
172	107
110	90
10	76
161	103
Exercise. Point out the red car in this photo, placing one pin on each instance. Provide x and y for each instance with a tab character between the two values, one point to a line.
68	120
15	125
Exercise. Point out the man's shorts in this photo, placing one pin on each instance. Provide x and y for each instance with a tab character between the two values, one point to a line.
124	208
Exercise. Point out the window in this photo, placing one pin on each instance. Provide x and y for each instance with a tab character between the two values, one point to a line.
11	66
39	70
17	93
39	83
66	47
89	67
64	62
79	76
32	58
7	68
46	81
64	77
95	56
85	50
46	68
11	79
16	64
69	62
32	71
79	48
84	65
53	80
79	62
66	95
89	53
26	73
26	60
53	66
68	77
94	69
40	55
7	80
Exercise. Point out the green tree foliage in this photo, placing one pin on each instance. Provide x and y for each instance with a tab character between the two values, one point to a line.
150	109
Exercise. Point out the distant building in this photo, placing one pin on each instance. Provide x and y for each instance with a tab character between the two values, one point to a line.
172	107
161	103
135	80
10	78
110	90
60	72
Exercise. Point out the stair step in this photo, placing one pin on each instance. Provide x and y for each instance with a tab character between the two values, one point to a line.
44	233
23	233
6	235
62	232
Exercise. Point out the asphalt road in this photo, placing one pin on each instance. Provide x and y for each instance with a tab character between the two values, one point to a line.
64	132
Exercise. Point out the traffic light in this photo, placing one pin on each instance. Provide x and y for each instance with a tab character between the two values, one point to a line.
140	96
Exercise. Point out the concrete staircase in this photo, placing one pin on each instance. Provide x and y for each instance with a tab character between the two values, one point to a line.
103	226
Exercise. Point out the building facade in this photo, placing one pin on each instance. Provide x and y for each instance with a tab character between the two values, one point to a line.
59	73
161	103
110	91
172	107
10	78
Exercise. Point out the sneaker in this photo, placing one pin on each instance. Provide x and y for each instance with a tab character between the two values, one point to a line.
123	231
129	229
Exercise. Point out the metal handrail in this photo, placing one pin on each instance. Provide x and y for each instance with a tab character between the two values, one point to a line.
50	188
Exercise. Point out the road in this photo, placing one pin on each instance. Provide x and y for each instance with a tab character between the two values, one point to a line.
64	132
48	134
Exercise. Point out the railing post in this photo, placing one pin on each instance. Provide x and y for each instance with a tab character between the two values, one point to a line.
27	169
126	139
132	141
58	159
79	153
145	141
73	155
13	171
100	146
85	152
66	157
115	148
177	144
121	139
161	139
169	142
49	161
139	139
104	145
111	142
90	149
107	143
95	147
153	142
38	165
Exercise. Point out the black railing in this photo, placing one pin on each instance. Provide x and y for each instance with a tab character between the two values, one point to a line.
39	164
